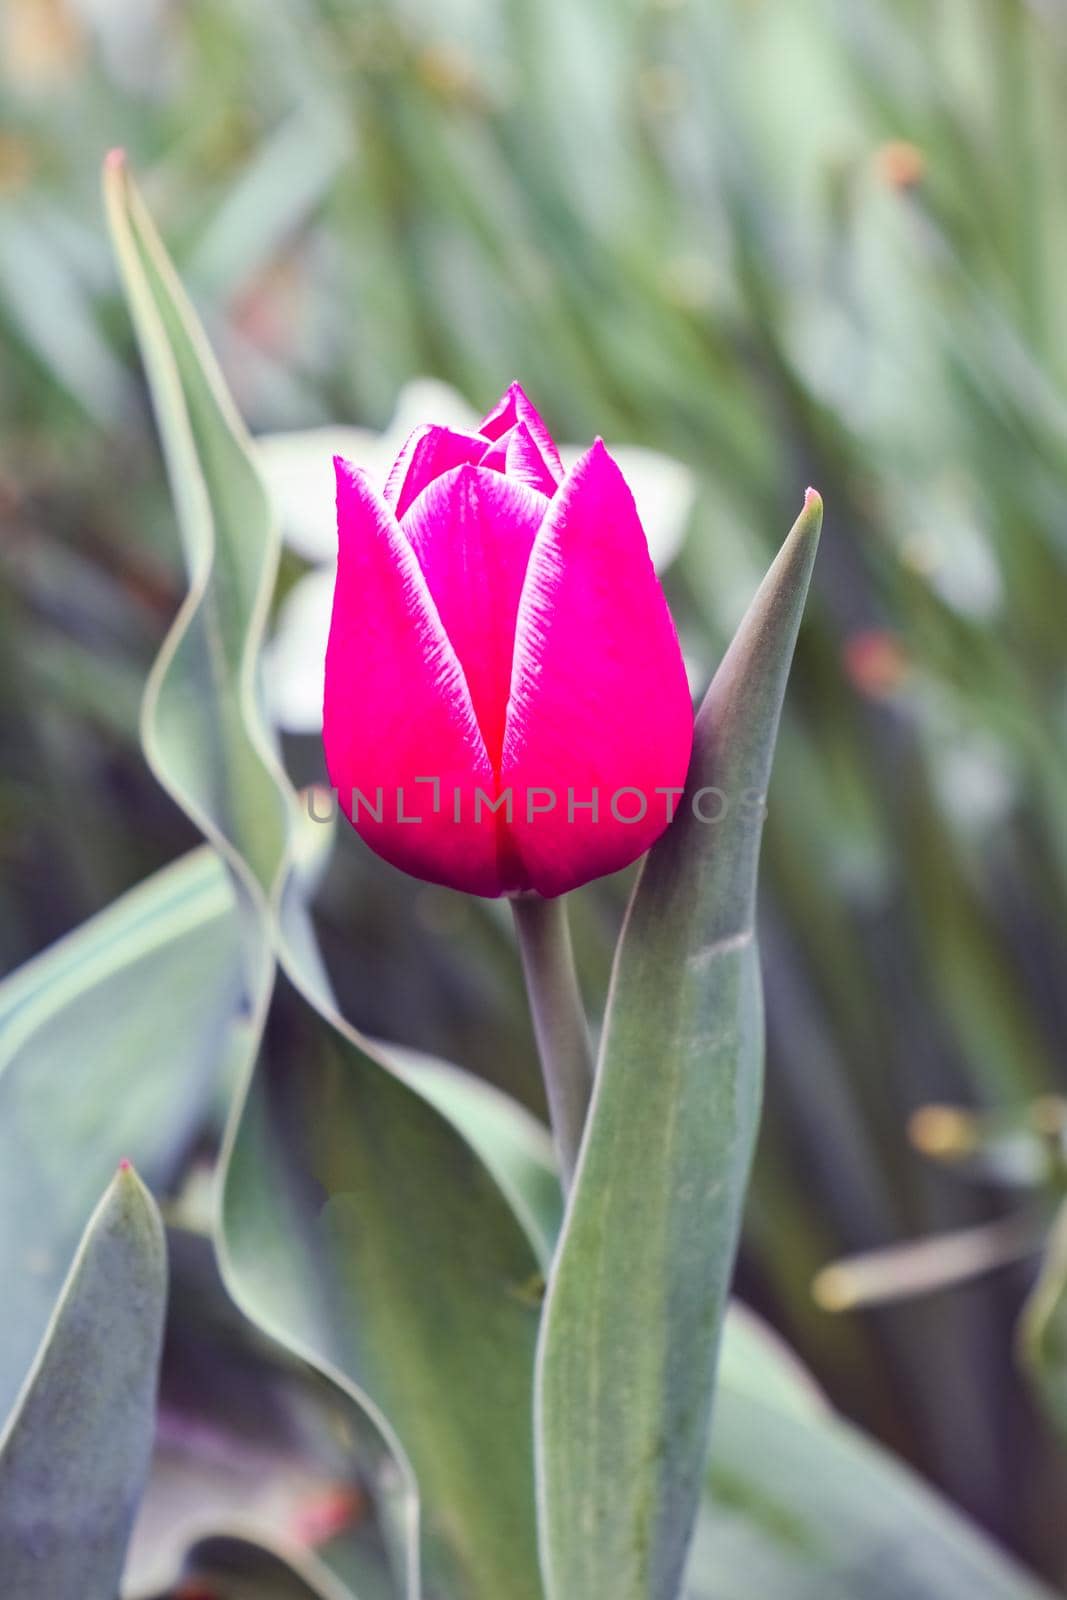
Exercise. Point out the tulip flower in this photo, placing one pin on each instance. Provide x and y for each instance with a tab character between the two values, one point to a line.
506	708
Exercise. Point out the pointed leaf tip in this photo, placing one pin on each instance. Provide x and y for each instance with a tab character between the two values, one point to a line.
115	160
75	1451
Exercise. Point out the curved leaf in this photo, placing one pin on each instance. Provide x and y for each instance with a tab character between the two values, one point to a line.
88	1075
636	1298
365	1234
332	1239
201	728
248	1439
74	1455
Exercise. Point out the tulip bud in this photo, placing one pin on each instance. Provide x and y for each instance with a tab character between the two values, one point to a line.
506	707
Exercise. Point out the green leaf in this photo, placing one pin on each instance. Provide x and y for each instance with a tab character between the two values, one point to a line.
515	1147
201	726
249	1440
637	1296
88	1075
359	1228
799	1504
74	1455
365	1234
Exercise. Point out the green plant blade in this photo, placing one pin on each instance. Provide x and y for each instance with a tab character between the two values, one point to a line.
801	1506
371	1306
87	1075
516	1148
638	1291
201	727
364	1233
249	1440
75	1452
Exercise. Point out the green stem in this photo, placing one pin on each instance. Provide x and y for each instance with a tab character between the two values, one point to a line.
558	1019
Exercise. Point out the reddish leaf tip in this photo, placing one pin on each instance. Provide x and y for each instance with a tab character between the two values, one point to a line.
115	160
125	1165
811	496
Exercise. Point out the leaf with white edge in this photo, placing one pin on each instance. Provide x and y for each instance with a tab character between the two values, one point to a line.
75	1452
359	1228
249	1440
363	1232
201	723
88	1075
639	1287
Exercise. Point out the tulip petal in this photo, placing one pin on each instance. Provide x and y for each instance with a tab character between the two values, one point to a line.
472	531
428	452
516	454
599	699
512	407
397	706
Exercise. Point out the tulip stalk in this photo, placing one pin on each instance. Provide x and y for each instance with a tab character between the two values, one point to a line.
559	1020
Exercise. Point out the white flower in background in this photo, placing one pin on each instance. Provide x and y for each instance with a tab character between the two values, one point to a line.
298	470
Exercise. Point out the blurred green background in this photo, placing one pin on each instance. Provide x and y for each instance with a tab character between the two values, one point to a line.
823	242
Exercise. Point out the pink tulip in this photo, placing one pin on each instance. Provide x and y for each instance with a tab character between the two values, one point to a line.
506	707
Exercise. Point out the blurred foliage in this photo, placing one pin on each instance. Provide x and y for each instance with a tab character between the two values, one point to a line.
824	242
